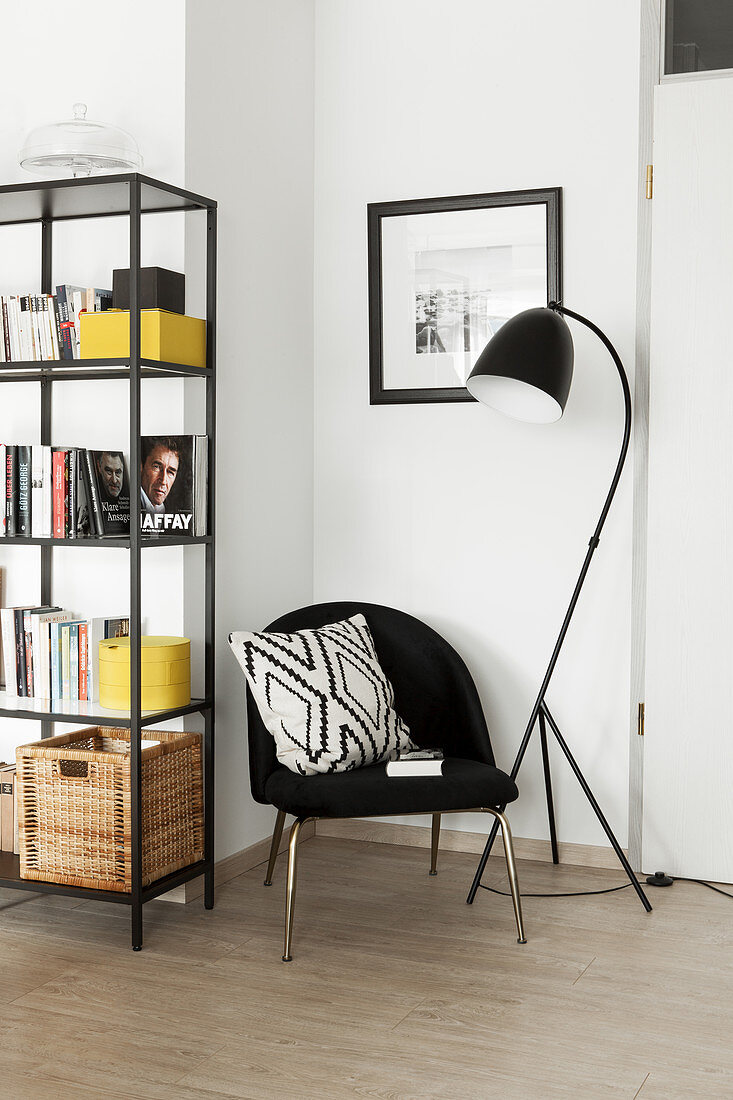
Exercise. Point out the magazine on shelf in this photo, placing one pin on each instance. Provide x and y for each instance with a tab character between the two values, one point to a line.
173	485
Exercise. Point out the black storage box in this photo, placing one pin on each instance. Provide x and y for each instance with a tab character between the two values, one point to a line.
159	289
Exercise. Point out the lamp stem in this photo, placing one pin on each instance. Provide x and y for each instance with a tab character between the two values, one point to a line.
596	536
592	545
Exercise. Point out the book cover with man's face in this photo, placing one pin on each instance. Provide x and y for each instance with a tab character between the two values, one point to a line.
166	485
113	488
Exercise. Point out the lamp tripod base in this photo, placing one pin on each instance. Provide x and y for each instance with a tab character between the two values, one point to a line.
544	718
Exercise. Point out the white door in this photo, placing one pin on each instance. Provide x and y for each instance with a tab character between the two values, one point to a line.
688	745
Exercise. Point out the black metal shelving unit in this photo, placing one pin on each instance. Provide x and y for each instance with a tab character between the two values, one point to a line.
130	195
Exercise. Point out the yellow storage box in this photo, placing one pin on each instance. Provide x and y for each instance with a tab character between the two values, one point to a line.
166	673
167	337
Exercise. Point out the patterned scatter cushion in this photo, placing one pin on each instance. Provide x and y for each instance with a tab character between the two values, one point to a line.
323	696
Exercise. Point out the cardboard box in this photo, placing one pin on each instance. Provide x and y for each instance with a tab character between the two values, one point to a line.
165	337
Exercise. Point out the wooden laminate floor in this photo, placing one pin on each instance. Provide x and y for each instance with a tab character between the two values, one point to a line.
398	990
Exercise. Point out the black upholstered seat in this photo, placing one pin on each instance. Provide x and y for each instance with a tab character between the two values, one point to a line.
368	791
437	698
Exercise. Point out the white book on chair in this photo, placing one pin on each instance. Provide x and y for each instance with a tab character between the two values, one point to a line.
419	762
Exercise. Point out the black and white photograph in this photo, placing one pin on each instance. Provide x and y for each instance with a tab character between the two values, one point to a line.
444	275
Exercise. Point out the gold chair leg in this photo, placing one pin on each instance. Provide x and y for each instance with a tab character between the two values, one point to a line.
511	866
277	833
290	891
434	841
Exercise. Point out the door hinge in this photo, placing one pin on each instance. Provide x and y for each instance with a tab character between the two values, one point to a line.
649	180
640	722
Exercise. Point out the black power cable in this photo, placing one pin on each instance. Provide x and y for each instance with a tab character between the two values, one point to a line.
579	894
710	886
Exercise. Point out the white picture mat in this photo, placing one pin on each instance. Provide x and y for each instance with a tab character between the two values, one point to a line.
495	256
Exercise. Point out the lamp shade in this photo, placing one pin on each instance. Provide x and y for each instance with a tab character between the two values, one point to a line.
526	368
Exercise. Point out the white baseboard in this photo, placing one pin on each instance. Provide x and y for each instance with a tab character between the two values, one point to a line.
235	864
456	840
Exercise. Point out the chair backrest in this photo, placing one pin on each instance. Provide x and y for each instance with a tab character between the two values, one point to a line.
434	692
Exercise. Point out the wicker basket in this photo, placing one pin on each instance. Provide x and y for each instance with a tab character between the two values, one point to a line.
74	807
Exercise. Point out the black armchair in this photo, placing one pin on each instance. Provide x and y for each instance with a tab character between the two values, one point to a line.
437	698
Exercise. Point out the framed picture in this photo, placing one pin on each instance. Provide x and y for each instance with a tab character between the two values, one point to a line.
444	275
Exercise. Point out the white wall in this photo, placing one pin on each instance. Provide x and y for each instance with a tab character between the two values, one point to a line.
477	523
249	144
125	78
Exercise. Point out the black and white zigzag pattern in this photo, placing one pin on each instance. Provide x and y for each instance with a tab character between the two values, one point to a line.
323	696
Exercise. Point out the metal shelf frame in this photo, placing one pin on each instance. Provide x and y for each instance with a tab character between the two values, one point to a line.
131	195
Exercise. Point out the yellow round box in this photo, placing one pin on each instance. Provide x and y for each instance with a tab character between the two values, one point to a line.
165	673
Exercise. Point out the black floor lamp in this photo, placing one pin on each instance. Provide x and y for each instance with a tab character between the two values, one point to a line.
525	371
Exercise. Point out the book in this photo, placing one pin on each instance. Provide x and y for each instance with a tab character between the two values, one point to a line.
97	631
29	615
420	762
83	660
14	320
67	460
7	625
65	661
51	316
71	503
25	328
41	644
96	300
74	661
47	494
110	491
7	817
15	302
23	517
59	492
19	641
11	489
173	484
69	317
92	521
83	521
56	669
3	516
40	329
5	321
40	520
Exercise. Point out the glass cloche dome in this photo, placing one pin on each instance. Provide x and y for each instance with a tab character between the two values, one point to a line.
79	147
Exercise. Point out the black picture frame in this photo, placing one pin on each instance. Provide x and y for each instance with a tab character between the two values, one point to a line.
377	212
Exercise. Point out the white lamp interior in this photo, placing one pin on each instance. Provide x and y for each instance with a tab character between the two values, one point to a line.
515	398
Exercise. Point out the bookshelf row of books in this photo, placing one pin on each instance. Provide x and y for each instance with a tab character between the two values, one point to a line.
76	493
44	327
51	654
63	492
